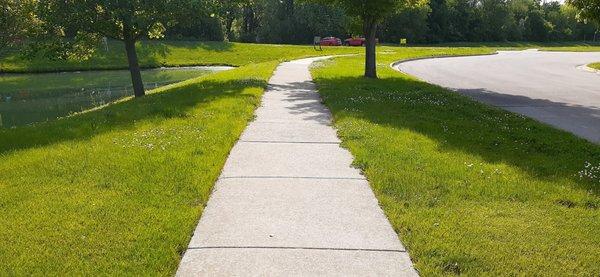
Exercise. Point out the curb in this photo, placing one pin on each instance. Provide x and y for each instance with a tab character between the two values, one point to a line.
589	69
395	64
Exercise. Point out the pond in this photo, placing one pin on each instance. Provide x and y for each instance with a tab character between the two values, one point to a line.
31	98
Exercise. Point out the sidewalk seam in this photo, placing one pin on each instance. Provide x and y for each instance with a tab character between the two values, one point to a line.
297	142
291	177
297	248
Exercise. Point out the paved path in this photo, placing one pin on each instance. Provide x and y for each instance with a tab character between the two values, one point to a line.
547	86
288	202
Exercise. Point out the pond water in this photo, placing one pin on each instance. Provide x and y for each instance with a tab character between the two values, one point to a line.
30	98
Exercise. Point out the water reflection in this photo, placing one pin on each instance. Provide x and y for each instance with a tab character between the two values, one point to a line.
30	98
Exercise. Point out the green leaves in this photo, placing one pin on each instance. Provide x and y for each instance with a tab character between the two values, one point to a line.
588	9
157	30
16	22
72	28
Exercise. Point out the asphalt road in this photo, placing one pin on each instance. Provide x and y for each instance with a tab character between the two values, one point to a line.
552	87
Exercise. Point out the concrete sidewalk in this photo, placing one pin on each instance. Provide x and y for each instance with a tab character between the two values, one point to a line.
288	201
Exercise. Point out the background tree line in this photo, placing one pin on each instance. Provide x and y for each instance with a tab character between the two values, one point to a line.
488	20
298	21
433	21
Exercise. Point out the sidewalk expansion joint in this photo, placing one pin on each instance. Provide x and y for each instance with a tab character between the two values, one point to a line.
292	121
293	142
298	248
291	177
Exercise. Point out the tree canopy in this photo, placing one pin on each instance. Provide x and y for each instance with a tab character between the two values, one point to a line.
588	9
17	21
70	24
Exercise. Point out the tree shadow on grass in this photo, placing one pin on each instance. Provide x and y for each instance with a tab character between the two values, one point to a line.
581	120
171	103
459	123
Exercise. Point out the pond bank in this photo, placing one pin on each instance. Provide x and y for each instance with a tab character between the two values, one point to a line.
29	98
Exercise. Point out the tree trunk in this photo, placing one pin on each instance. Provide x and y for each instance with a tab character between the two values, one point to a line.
370	29
134	67
228	27
248	25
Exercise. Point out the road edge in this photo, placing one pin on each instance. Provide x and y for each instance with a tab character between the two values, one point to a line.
394	65
587	68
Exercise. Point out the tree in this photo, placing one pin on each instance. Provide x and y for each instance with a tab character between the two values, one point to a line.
16	22
277	22
407	23
438	21
252	10
76	21
497	20
588	9
536	27
293	22
371	13
202	22
315	19
228	11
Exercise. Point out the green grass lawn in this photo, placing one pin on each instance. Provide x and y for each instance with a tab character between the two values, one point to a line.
118	190
180	53
595	66
469	188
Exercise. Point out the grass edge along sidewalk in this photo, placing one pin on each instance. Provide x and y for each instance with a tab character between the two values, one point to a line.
470	189
119	190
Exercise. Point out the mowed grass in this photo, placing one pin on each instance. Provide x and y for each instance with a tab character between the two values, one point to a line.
470	189
595	66
118	190
154	54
